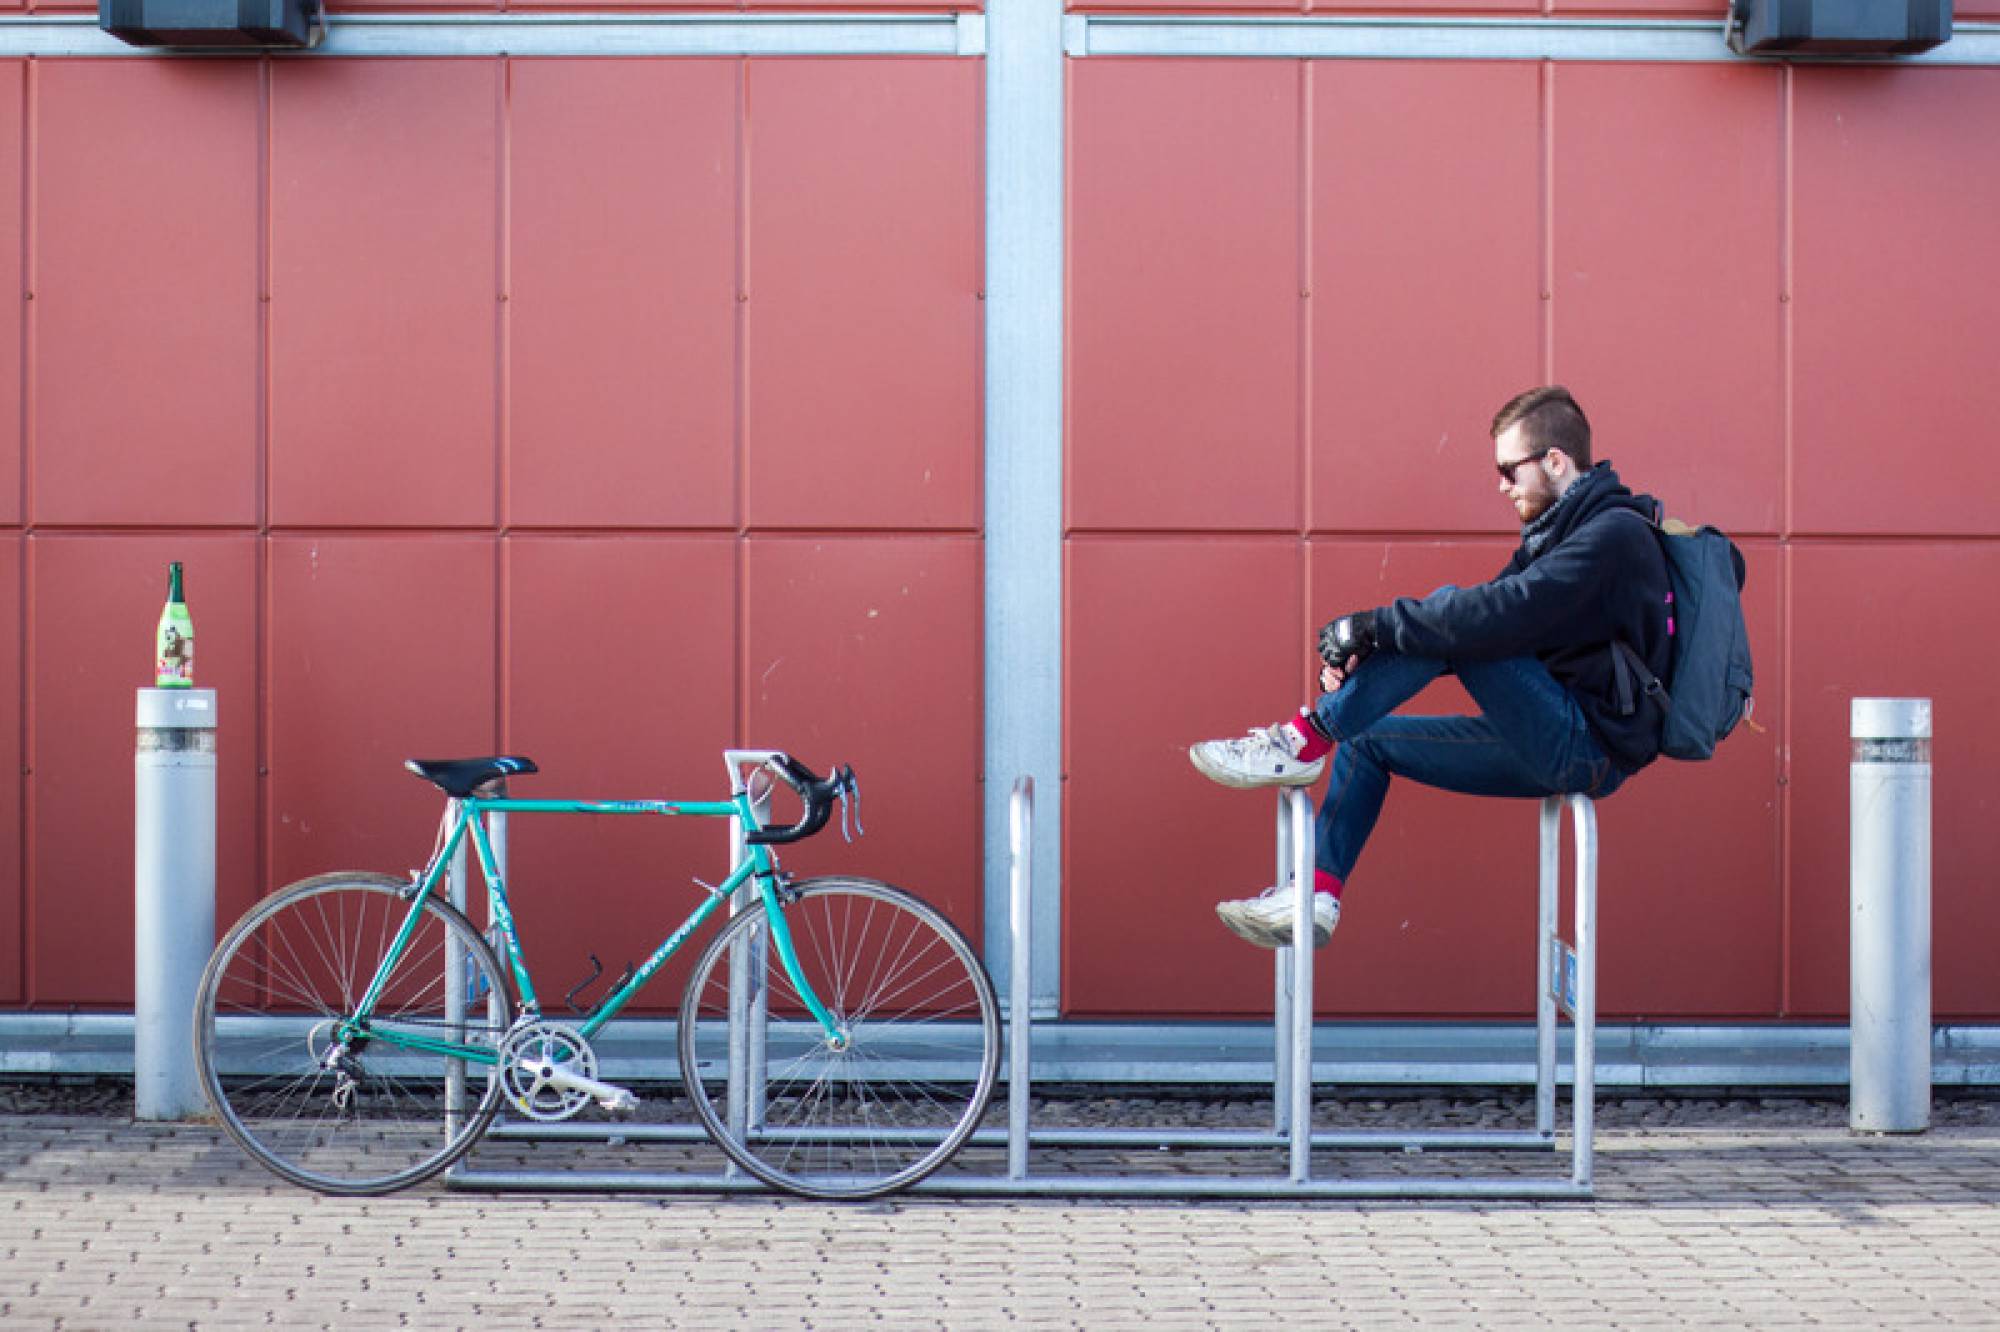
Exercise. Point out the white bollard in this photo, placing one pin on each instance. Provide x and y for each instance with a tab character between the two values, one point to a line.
173	885
1889	922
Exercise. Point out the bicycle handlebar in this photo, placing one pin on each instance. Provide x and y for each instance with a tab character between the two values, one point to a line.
816	795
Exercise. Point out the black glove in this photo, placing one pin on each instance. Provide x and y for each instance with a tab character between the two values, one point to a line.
1346	642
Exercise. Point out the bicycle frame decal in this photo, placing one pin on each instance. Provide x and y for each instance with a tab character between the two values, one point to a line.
503	915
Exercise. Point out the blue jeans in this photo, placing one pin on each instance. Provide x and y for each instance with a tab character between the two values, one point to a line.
1530	740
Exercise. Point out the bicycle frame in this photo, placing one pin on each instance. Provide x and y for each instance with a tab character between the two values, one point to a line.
468	821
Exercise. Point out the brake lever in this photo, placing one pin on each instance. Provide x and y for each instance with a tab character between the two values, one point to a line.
849	787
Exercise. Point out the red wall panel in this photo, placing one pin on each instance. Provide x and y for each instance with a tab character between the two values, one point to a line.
866	650
622	390
94	604
1426	261
1184	294
1713	9
644	713
1149	844
13	901
363	6
1422	6
1650	8
871	6
12	77
776	6
381	650
1177	6
1894	313
1926	601
865	201
1667	241
146	309
384	285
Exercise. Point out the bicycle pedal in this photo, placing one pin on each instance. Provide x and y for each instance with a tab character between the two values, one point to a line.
620	1102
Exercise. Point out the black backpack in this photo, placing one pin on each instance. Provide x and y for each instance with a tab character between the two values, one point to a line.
1707	689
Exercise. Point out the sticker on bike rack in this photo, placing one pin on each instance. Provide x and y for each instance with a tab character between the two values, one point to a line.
1562	975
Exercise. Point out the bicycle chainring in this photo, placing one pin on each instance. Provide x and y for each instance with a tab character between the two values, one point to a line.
533	1047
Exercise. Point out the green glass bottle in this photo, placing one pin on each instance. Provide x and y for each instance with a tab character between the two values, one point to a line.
174	643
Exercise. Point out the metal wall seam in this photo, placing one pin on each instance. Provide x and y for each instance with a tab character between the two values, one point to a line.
1448	38
1025	155
582	34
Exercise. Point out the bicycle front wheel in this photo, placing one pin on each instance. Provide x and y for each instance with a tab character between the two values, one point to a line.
894	1094
325	1102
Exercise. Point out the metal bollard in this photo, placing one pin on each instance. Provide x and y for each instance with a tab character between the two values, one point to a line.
173	894
1889	921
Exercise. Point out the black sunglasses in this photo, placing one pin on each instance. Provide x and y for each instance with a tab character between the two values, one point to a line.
1506	469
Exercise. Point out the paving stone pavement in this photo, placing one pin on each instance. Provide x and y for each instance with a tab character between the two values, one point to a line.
1730	1218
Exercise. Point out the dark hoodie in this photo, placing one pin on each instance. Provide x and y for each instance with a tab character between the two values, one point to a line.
1597	577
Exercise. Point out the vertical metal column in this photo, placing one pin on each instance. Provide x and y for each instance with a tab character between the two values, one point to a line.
1300	808
1889	931
1024	453
173	893
749	998
1545	961
455	892
457	966
1583	1087
1020	887
1281	988
1568	978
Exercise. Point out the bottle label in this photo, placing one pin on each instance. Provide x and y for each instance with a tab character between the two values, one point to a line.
175	649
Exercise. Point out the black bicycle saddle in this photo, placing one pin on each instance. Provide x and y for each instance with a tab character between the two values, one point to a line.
461	777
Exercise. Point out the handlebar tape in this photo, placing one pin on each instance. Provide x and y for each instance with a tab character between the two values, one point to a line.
815	792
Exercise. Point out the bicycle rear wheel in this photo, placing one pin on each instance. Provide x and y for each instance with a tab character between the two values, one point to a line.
361	1115
885	1106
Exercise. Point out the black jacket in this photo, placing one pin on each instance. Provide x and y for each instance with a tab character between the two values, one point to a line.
1599	577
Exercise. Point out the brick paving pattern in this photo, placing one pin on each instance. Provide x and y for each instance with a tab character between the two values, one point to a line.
1727	1214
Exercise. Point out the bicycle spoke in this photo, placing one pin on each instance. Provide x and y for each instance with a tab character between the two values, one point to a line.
361	1113
919	1055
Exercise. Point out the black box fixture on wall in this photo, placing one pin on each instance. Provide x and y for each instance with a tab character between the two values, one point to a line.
212	24
1837	27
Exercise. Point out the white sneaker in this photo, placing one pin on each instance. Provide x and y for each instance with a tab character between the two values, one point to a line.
1266	919
1262	758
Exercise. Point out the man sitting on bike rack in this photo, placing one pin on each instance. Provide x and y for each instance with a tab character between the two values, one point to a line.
1534	647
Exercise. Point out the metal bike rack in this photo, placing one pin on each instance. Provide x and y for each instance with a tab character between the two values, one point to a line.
1566	977
1566	982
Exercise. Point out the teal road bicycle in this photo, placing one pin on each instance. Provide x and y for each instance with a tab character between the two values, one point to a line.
838	1037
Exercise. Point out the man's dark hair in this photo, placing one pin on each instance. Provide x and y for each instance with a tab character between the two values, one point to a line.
1549	419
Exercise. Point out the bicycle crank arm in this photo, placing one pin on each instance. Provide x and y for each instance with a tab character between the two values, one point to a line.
608	1095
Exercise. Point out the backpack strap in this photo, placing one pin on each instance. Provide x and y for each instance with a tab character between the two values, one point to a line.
1630	678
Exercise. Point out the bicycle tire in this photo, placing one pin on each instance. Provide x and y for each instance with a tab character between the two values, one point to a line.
917	1072
278	983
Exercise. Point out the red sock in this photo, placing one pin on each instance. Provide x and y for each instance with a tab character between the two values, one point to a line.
1312	745
1326	883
